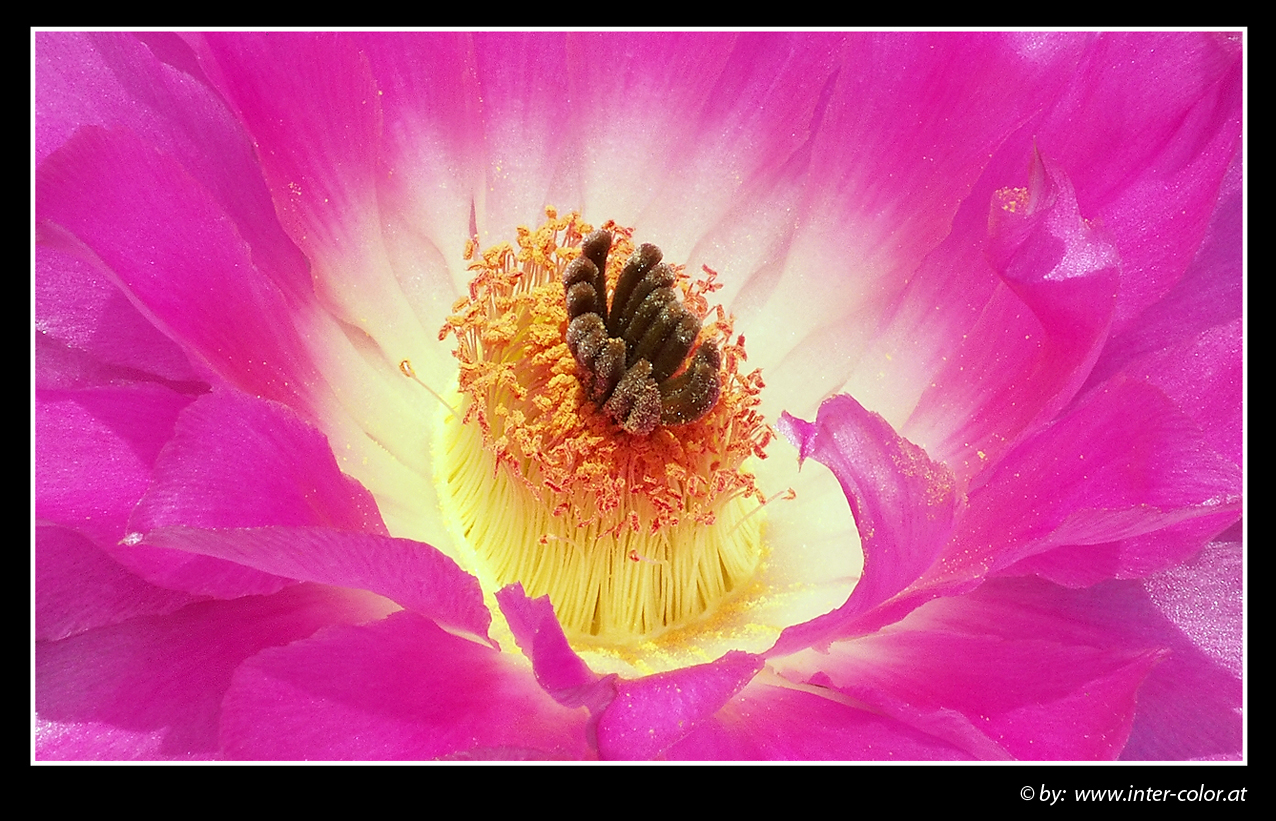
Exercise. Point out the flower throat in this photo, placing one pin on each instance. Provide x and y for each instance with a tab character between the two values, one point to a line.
598	458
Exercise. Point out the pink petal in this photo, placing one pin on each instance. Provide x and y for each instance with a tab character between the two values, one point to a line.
1203	376
94	450
1209	294
522	82
1203	598
412	574
653	713
1038	336
395	689
1132	558
1146	130
1010	665
1128	101
310	102
89	334
309	99
79	587
1189	705
152	687
928	109
246	486
1110	118
1033	699
636	107
238	461
432	151
151	85
766	722
701	119
903	505
909	128
562	673
1121	464
173	250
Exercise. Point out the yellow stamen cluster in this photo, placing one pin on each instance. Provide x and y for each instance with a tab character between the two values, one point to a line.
628	535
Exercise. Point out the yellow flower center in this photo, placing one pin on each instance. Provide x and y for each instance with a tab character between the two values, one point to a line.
630	527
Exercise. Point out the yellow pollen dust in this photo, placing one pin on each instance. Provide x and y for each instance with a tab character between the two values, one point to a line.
628	535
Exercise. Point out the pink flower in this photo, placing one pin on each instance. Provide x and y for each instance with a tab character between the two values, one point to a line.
1001	275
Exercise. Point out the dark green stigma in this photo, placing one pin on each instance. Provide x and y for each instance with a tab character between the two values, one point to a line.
627	356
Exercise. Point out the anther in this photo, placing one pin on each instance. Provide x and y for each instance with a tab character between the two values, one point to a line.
405	368
609	369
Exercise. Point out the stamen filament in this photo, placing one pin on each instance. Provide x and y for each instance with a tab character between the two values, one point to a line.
405	367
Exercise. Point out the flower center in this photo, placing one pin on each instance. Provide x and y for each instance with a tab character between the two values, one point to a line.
598	455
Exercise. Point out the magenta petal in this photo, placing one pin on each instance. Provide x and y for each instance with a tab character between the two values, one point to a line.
1190	704
151	85
1032	699
310	101
1129	98
312	106
1033	345
1209	294
158	563
95	449
1135	557
1022	251
88	333
1203	598
766	722
1146	130
415	575
893	191
903	505
152	687
173	249
652	713
1124	462
432	147
400	688
237	461
1204	377
79	587
562	673
736	102
883	195
1177	193
526	119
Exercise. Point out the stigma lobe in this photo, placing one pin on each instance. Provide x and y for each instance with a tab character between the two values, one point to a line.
627	355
